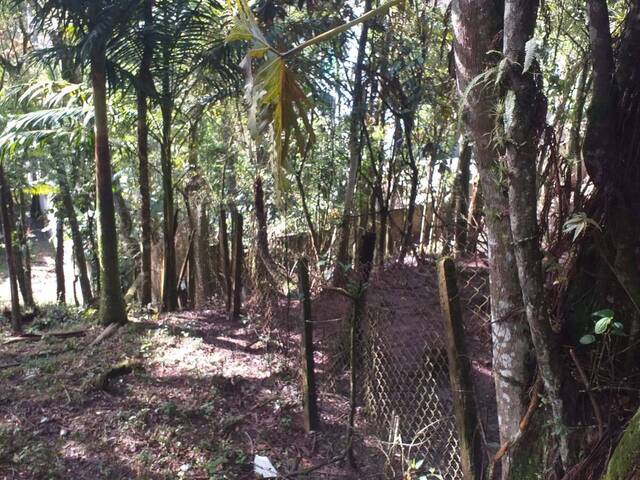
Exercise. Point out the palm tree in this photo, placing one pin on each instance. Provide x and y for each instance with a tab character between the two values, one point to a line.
96	25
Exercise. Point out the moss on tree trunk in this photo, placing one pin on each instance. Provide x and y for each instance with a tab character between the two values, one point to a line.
625	461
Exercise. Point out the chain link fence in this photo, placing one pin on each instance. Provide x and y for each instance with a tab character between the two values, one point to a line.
403	389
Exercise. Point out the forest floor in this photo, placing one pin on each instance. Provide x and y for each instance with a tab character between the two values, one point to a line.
205	395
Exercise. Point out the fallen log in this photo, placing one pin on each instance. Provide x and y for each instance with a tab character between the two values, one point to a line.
34	337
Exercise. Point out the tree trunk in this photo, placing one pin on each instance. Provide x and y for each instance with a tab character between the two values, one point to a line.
407	237
267	269
60	280
238	255
21	273
355	148
126	224
112	307
461	196
25	252
78	244
170	291
474	218
625	459
523	132
476	26
16	317
225	262
143	86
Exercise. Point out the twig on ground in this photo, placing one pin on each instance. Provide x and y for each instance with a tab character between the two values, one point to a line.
313	468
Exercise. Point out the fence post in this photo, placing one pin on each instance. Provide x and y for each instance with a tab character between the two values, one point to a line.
236	303
459	372
309	394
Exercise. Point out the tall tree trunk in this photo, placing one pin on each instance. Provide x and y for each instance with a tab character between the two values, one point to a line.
78	243
225	262
126	224
575	141
238	256
204	274
21	272
407	237
461	196
611	149
25	251
144	85
476	27
267	268
112	307
16	317
60	280
355	149
170	292
523	131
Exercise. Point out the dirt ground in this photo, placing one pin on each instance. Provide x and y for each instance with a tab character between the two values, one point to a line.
205	396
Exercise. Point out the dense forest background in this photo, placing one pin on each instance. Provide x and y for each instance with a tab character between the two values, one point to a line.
197	176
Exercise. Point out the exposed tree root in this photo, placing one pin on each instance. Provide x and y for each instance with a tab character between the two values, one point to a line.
101	381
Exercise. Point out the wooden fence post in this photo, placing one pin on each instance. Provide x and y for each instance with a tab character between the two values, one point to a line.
236	303
309	394
464	406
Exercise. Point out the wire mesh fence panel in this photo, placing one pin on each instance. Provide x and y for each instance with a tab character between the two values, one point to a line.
406	391
403	387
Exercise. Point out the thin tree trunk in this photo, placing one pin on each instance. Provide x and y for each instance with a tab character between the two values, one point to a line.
17	256
60	280
407	238
267	268
575	141
112	307
16	317
25	251
126	224
225	262
476	26
521	153
461	196
142	91
78	244
170	292
238	255
315	241
355	148
474	218
204	274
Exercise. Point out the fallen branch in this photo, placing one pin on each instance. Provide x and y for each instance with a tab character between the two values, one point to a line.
34	337
9	365
106	333
306	471
524	423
